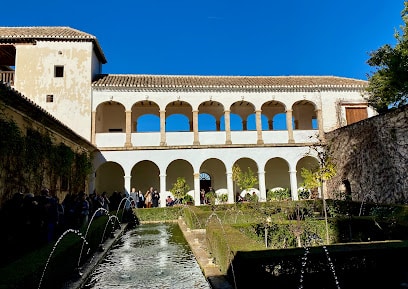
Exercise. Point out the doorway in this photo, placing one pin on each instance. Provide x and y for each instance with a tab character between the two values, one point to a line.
205	182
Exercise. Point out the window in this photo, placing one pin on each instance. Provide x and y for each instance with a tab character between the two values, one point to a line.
355	114
50	98
205	177
58	71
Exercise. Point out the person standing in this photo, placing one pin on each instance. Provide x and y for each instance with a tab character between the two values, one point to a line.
202	197
155	199
83	209
141	200
148	197
106	201
134	198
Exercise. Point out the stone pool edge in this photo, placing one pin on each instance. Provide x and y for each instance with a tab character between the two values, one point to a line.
198	244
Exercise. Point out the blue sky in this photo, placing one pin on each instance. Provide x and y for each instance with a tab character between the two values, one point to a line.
225	37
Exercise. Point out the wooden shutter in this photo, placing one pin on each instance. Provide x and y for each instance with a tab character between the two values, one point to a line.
355	114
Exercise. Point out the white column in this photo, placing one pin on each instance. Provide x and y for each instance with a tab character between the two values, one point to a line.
293	185
230	187
262	187
163	190
127	189
196	189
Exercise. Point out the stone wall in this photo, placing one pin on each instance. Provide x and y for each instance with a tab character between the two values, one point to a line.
372	156
16	108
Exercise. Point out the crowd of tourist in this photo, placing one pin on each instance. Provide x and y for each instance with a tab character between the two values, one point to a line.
29	221
149	199
32	220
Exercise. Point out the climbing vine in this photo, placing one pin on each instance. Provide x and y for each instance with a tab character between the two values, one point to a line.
32	160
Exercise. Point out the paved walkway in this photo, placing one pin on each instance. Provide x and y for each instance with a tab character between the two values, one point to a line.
198	244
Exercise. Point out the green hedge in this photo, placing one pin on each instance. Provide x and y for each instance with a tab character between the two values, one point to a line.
230	230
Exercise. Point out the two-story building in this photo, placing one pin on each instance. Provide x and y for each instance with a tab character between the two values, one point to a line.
152	129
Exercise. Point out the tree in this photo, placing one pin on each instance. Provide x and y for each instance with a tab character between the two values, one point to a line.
245	180
388	85
180	188
317	176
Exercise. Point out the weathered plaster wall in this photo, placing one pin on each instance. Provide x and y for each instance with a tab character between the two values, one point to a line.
34	77
373	156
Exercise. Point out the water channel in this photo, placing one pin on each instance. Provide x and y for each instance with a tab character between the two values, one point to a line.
149	256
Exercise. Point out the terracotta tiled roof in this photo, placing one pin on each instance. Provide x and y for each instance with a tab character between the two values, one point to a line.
233	82
28	34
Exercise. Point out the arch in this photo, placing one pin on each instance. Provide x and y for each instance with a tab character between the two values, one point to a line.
307	162
217	170
179	168
245	164
109	177
275	113
179	116
304	115
145	174
206	109
243	109
110	117
277	174
145	116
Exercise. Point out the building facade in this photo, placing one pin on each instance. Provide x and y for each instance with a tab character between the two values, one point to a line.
152	129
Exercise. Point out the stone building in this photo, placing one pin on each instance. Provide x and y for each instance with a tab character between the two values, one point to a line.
151	129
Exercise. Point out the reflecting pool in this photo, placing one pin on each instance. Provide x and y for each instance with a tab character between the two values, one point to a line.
149	256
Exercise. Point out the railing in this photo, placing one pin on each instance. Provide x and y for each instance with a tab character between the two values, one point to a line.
7	77
152	139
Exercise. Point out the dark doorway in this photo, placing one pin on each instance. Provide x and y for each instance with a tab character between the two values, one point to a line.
205	181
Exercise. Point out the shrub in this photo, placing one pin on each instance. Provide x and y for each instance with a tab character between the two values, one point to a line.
279	194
